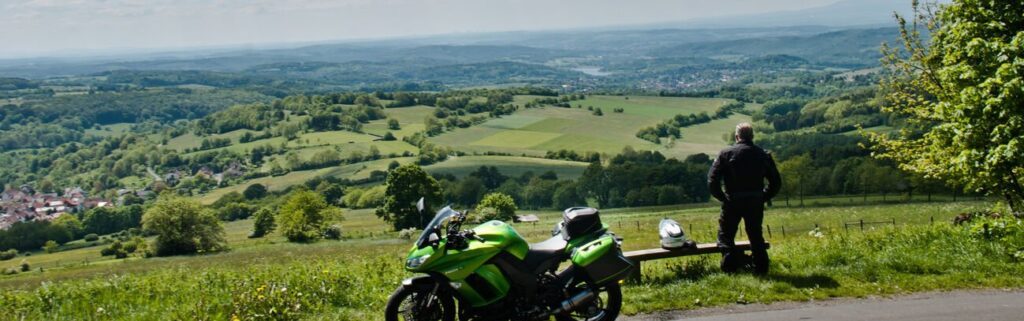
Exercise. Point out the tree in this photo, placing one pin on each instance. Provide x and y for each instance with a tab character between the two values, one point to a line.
263	223
538	192
255	191
182	226
236	211
303	216
497	206
393	124
70	224
405	186
332	192
795	172
102	220
468	191
595	183
490	176
566	195
963	95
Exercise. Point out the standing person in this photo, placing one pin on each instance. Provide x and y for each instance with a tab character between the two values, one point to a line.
743	167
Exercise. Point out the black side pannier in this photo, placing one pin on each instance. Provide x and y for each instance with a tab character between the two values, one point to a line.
580	221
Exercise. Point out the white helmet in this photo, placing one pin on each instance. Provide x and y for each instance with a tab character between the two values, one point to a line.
672	235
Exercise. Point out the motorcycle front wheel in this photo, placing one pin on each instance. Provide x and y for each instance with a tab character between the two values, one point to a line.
604	308
419	303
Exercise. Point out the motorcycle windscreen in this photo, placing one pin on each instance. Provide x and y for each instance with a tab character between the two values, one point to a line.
435	226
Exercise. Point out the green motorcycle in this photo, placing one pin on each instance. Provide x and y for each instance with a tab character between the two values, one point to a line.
492	273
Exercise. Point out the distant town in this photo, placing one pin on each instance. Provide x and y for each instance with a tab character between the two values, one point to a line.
24	204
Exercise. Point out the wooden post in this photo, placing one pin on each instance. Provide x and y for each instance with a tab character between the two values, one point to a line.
862	225
783	231
637	225
933	220
894	222
769	230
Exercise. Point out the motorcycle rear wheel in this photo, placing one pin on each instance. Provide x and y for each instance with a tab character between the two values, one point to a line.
605	308
419	303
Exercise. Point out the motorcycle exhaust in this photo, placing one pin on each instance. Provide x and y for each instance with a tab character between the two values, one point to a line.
575	301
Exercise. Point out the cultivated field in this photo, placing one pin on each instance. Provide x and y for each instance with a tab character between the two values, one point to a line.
538	130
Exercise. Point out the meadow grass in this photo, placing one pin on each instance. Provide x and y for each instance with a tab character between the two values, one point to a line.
109	130
535	131
354	171
461	166
350	280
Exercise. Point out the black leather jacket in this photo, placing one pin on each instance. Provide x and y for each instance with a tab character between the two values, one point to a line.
744	168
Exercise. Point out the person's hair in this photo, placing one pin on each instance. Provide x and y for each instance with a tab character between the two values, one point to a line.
745	131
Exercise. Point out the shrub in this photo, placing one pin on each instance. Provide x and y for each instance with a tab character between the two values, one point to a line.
255	191
497	206
263	223
236	211
183	227
24	266
50	246
92	237
407	234
9	254
332	232
113	249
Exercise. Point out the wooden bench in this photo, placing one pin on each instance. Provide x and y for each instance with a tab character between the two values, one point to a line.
656	254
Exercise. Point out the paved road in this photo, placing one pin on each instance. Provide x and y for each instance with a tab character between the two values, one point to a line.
954	306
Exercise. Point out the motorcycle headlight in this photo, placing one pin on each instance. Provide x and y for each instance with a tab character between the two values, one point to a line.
415	262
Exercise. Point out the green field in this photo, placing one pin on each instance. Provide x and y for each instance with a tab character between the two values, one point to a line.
109	130
276	183
511	166
538	130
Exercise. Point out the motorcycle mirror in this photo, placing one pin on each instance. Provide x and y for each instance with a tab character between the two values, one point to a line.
419	205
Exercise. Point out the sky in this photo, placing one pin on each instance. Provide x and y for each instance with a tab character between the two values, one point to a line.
82	27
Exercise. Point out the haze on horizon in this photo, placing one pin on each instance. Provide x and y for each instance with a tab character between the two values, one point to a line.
83	27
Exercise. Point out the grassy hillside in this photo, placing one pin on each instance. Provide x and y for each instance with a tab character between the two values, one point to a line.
350	280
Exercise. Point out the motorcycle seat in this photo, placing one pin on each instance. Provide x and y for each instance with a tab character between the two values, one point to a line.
545	251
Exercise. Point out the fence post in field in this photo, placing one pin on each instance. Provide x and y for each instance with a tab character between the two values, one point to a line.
769	230
862	225
783	231
893	222
932	220
637	225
